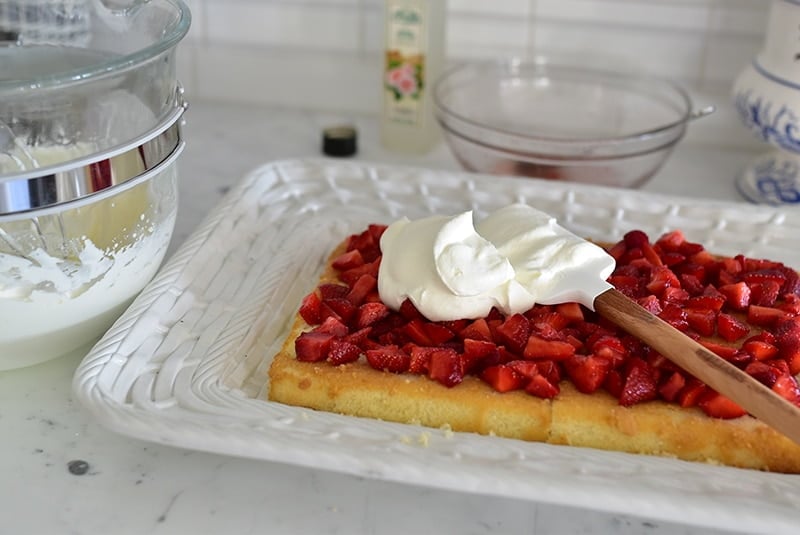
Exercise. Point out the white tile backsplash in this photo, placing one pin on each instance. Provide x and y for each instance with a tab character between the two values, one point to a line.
326	54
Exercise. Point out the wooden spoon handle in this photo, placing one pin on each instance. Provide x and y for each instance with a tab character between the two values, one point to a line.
714	371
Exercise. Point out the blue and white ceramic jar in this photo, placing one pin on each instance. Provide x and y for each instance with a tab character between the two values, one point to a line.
767	97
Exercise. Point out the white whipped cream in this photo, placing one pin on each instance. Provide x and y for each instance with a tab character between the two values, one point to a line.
516	257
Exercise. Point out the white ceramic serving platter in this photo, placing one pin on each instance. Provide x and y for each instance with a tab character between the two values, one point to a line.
186	364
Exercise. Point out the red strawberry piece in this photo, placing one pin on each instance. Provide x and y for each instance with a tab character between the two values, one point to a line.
650	303
640	384
361	289
549	324
721	350
635	238
571	311
708	302
730	328
617	250
675	316
671	258
671	241
479	353
370	313
539	348
446	367
764	316
438	333
718	406
610	348
760	350
348	260
514	332
786	386
587	373
343	352
313	346
627	284
420	357
691	284
350	276
415	329
671	387
389	358
693	270
791	285
691	393
704	321
366	243
550	369
409	311
692	249
764	293
526	368
540	387
787	333
763	372
614	383
477	330
764	275
332	325
358	337
310	309
790	304
737	295
673	294
331	290
377	231
502	378
341	307
662	277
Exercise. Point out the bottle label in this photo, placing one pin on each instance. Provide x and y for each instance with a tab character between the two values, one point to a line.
404	71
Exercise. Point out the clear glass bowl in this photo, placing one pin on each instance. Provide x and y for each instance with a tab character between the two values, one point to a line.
544	120
90	117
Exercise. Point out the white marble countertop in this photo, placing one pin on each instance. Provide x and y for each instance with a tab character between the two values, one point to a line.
137	487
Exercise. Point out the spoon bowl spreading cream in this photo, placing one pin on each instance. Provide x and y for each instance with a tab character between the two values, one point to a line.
452	268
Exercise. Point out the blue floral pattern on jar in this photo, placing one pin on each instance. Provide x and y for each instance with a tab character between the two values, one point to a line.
774	122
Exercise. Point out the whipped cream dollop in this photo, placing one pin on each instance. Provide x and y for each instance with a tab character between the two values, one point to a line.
452	268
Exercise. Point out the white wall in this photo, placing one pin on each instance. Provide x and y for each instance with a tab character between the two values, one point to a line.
325	54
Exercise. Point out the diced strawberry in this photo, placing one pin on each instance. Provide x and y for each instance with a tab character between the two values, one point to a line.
691	393
377	231
650	303
764	316
415	329
313	346
791	285
730	328
790	304
359	336
764	293
409	311
629	285
673	294
540	387
662	277
721	350
671	258
617	250
310	309
708	302
692	249
587	372
477	330
389	358
446	367
718	406
691	284
332	325
640	384
786	386
331	290
760	350
764	275
610	348
341	306
370	313
572	311
690	269
635	238
420	357
502	378
671	387
675	316
438	333
614	383
737	295
361	288
763	372
348	260
549	324
478	353
526	368
550	369
539	348
351	275
671	241
342	352
704	321
365	242
514	332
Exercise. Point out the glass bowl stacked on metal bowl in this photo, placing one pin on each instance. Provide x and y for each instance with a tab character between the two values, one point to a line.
559	121
90	132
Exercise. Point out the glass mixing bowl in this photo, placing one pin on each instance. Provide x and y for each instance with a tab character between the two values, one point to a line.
545	120
90	132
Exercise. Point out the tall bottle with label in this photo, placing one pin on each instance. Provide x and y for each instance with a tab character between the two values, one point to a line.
414	57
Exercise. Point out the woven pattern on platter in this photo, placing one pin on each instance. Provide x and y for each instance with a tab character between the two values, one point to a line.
186	364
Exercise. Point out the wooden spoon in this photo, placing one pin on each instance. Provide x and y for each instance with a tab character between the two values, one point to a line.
714	371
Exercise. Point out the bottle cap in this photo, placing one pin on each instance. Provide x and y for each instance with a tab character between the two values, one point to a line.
339	141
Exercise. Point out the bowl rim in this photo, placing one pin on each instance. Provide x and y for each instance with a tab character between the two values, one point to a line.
171	36
510	65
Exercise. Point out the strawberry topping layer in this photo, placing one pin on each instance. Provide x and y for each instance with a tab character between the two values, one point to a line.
745	310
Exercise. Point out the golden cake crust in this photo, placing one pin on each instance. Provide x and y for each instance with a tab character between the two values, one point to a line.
586	420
